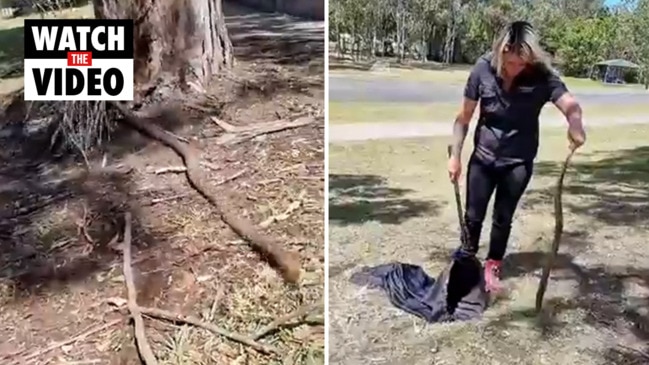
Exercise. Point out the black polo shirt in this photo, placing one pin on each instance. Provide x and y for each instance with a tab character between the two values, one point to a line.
508	122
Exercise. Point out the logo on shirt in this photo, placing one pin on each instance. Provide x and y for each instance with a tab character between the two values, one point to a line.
526	89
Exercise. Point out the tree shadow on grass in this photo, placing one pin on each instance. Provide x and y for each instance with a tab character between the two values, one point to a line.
613	189
356	199
601	294
42	211
46	197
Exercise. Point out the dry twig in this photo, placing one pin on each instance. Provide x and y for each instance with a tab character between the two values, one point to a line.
287	212
634	350
238	134
300	312
170	169
229	128
179	169
177	136
59	344
169	198
288	263
140	336
179	318
232	177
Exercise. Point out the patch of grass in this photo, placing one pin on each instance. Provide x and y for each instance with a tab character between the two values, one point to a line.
11	54
370	112
601	269
454	75
12	41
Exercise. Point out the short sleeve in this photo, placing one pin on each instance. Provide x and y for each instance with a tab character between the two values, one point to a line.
472	87
556	87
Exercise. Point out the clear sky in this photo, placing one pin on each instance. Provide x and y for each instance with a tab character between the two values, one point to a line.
611	2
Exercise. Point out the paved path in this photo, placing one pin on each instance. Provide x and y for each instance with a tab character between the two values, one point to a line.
386	130
395	90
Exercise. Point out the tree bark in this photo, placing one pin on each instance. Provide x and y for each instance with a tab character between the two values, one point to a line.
179	42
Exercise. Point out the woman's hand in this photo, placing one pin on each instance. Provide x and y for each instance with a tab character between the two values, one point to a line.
454	168
576	136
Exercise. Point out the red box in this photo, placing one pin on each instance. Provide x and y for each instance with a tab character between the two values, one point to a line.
79	58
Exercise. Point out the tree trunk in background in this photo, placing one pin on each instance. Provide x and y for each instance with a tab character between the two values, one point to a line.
177	42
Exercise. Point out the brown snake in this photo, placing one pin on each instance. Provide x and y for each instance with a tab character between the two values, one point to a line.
558	230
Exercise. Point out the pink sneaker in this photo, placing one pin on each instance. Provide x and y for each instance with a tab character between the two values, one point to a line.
492	276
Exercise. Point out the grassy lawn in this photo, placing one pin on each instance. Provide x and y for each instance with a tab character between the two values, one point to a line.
11	39
391	200
456	74
364	112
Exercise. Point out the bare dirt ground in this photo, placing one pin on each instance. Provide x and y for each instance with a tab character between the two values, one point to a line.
58	265
391	200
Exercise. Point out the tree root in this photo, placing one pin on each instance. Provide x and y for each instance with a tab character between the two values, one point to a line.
288	263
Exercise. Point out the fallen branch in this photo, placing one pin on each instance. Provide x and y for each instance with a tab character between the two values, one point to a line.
288	263
140	336
238	134
170	169
60	344
634	350
300	312
179	318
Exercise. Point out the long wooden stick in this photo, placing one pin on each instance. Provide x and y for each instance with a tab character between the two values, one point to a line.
140	335
465	245
558	230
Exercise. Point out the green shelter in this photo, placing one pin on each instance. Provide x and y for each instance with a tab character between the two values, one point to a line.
612	71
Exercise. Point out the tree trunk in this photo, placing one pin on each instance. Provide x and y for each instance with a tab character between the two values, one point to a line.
177	42
373	47
339	42
399	30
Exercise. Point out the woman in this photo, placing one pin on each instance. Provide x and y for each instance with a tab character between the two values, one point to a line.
513	82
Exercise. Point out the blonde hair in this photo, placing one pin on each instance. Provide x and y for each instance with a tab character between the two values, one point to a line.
519	37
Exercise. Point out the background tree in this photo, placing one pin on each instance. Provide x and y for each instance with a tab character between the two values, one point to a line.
578	33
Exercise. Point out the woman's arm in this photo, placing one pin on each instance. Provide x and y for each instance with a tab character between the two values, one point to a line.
569	107
469	103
